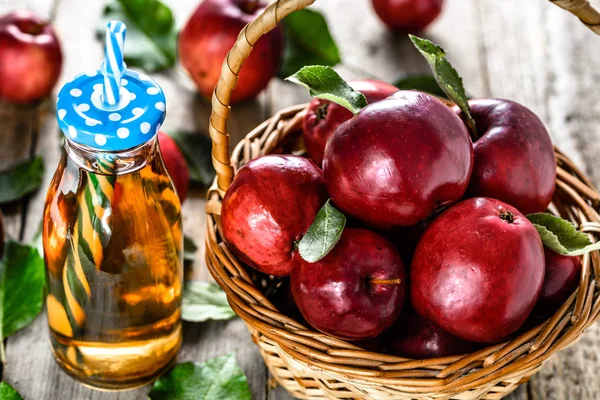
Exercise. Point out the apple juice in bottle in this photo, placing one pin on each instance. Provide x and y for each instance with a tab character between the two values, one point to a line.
112	230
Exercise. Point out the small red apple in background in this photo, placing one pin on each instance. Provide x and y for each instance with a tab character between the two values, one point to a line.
356	291
323	117
398	160
414	337
176	164
478	270
514	158
30	57
271	203
211	32
561	279
407	15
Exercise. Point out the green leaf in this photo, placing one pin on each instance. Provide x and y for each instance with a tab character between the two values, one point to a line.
7	392
189	249
314	46
561	236
151	39
324	83
219	378
196	148
22	282
323	234
21	179
203	301
423	83
447	77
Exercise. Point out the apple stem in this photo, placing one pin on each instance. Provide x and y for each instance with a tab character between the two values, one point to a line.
472	129
396	281
249	6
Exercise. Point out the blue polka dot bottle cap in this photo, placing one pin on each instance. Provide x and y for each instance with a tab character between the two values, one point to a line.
111	109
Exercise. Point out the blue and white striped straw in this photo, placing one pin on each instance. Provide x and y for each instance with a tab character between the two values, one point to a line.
114	66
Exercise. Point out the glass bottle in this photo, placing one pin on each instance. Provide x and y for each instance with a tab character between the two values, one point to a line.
112	231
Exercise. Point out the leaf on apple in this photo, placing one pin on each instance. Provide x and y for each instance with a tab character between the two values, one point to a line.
203	301
151	42
446	76
196	148
314	46
324	83
22	281
21	180
423	83
322	236
7	392
561	236
218	378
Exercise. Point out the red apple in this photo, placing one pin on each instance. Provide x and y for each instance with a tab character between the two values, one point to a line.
323	117
175	163
414	337
30	57
270	205
398	160
407	15
210	34
514	157
478	270
356	291
561	280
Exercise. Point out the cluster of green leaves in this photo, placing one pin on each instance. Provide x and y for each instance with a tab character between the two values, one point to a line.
152	36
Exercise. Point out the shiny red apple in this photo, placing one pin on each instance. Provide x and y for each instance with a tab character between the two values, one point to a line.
356	291
562	278
514	157
30	57
323	117
270	205
176	164
478	270
398	160
407	15
211	32
414	337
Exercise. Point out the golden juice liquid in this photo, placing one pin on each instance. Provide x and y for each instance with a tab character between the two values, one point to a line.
114	322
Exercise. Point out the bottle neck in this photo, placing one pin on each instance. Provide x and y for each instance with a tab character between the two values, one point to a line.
112	163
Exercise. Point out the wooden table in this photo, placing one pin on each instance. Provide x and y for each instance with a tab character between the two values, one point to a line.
525	50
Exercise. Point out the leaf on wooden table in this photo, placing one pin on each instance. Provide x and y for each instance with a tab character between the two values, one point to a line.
22	283
189	249
203	301
324	83
323	234
7	392
423	83
314	46
219	378
197	150
561	236
21	180
151	42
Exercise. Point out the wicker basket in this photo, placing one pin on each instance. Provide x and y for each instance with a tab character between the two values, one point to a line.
313	365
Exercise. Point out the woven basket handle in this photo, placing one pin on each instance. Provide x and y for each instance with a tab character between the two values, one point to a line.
265	22
582	9
230	70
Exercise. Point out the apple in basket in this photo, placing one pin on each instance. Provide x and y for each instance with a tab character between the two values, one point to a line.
478	270
30	57
407	15
323	116
271	203
211	32
514	158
